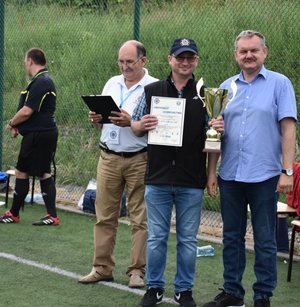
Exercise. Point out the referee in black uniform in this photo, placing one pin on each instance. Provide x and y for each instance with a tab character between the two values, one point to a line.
35	121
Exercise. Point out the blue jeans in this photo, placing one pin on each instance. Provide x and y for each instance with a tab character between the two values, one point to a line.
123	209
262	199
159	201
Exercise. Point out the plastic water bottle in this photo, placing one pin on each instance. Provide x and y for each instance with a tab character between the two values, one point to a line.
205	251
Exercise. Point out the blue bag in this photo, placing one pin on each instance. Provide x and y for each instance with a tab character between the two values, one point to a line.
3	177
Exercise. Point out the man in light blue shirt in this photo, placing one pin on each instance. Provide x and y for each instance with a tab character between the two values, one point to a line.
252	144
258	151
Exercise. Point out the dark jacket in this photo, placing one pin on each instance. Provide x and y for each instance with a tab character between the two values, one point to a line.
186	165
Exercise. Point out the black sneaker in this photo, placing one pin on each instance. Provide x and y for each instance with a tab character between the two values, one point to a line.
264	302
225	299
184	299
47	220
8	218
152	297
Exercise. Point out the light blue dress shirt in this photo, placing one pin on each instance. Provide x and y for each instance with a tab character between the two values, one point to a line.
251	145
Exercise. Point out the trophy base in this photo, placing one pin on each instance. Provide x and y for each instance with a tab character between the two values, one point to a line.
212	146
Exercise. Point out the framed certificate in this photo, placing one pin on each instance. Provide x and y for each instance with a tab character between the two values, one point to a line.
101	105
170	114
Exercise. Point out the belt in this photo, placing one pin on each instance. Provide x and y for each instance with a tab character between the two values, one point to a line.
122	153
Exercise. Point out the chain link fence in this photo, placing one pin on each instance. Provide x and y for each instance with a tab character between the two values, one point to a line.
82	38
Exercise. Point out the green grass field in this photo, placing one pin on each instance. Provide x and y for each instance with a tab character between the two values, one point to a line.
39	266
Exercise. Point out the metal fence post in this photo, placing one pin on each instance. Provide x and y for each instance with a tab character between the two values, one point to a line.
137	14
1	74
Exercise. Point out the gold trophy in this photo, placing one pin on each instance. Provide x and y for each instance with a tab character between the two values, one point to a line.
215	102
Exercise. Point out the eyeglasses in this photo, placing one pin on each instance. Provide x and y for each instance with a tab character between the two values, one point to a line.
128	63
190	59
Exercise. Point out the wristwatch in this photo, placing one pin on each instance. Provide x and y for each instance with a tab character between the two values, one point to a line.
288	171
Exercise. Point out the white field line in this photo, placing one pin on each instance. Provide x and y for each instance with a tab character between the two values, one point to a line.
76	276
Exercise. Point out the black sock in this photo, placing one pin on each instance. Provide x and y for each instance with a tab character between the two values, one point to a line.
49	195
20	193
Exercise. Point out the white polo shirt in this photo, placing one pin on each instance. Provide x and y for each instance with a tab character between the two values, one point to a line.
122	139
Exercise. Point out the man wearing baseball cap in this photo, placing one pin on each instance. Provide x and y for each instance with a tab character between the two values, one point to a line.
175	175
181	45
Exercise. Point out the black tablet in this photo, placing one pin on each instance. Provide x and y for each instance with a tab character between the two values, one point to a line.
101	104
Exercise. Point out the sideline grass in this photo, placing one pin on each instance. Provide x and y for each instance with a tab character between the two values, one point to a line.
70	247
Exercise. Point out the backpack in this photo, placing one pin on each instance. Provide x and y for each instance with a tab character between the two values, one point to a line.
88	204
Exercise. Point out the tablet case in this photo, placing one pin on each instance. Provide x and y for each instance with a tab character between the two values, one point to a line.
101	104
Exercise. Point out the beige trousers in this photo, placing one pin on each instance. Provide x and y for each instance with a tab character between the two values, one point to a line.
113	173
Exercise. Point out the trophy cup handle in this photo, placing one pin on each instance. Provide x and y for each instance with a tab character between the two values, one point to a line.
199	85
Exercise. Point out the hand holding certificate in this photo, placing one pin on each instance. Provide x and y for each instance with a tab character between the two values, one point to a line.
170	114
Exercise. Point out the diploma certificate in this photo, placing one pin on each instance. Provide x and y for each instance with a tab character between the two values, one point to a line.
170	115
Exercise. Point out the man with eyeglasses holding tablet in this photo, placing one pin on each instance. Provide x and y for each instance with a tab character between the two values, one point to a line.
122	162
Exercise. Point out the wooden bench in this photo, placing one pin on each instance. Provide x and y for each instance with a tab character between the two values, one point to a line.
283	208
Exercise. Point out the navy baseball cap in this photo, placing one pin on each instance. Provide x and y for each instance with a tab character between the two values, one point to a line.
182	44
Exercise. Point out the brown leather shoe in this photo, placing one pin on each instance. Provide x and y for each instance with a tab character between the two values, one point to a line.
136	281
95	276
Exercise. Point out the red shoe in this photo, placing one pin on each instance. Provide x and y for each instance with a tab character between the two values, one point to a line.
8	218
47	220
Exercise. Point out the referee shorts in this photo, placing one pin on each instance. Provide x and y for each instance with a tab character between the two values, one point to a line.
36	152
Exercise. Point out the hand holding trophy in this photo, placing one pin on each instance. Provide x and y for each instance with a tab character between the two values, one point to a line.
215	101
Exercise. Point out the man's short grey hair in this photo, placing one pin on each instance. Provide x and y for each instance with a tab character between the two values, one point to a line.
249	34
140	48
